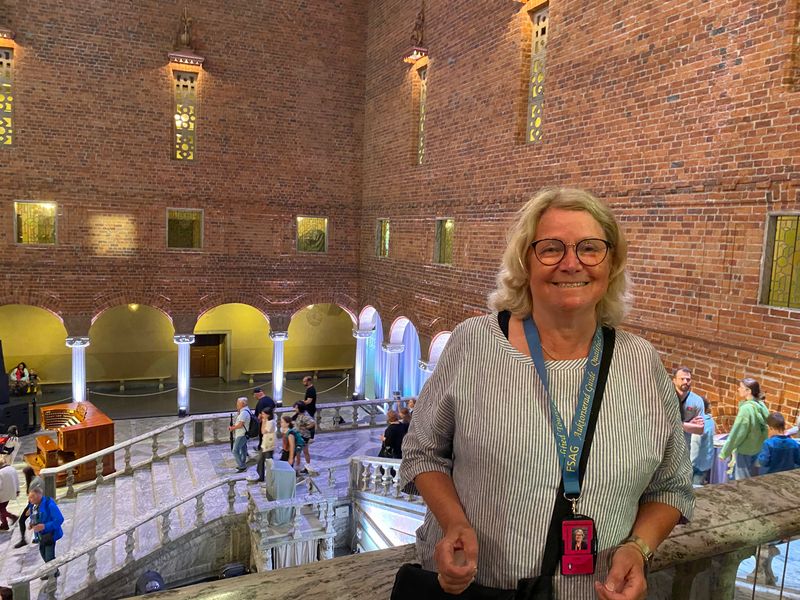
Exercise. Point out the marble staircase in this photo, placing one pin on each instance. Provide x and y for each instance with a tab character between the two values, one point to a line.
116	505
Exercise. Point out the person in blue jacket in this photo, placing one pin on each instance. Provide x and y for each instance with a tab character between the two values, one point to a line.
779	452
46	520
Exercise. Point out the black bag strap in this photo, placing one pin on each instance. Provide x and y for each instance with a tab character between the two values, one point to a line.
541	588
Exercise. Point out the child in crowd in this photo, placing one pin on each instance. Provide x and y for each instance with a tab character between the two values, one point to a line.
292	440
779	452
306	425
702	448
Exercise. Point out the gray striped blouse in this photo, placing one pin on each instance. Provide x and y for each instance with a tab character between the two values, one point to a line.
483	418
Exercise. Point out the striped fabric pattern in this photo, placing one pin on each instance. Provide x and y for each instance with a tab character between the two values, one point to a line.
483	418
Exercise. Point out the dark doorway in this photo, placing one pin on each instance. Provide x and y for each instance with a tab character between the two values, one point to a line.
205	355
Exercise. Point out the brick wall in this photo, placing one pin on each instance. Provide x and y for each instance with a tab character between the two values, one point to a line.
682	115
280	124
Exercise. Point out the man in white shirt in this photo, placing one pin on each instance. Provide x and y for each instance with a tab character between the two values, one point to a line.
239	429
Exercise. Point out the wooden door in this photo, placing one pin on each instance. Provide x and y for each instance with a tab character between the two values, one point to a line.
205	361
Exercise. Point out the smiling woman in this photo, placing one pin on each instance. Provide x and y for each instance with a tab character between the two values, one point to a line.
545	356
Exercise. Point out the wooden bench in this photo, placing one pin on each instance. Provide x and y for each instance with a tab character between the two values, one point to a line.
122	380
314	371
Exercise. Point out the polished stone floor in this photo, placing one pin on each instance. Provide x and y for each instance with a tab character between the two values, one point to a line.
208	395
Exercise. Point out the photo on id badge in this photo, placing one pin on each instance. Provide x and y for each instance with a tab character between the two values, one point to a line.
578	547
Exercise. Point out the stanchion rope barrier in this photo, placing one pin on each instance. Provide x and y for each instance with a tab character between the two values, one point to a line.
321	391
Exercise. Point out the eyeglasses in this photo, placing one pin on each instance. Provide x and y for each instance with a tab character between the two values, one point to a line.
590	252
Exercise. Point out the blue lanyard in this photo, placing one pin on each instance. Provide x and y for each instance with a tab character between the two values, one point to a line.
569	444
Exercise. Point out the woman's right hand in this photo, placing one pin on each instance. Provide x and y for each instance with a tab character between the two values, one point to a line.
456	557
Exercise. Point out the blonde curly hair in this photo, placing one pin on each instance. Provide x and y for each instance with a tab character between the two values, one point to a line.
513	281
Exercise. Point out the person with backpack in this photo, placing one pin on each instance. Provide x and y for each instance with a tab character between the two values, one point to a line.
306	425
240	429
292	440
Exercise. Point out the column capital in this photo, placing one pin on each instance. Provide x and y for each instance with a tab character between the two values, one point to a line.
393	348
362	334
183	338
78	341
279	336
426	366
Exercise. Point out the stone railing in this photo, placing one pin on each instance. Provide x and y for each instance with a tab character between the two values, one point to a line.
378	476
207	429
309	517
21	587
157	450
698	561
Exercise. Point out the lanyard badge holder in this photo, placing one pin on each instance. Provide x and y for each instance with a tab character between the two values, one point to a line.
578	532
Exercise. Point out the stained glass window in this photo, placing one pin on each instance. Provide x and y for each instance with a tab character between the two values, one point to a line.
423	96
35	222
6	97
443	250
782	277
383	238
184	228
536	82
185	115
312	234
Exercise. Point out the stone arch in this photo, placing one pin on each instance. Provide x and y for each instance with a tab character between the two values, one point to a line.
48	302
438	343
343	301
216	299
126	296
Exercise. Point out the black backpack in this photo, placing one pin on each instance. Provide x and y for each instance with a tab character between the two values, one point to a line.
254	427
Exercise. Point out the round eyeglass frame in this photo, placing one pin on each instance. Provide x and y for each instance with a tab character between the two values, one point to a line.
608	245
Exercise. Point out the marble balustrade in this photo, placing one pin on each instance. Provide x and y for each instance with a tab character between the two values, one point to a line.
698	561
206	429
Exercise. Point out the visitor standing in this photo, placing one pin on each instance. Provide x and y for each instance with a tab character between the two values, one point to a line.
239	429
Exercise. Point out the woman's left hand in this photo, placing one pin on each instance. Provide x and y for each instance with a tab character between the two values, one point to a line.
39	527
625	580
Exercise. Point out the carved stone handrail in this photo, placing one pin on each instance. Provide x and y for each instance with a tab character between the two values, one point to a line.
730	520
49	474
21	585
350	409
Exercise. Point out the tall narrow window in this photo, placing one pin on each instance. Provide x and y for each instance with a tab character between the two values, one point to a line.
423	96
35	222
312	234
185	115
536	82
443	250
6	97
781	283
382	249
184	228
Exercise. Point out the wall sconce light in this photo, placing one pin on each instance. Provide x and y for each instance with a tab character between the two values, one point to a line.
414	54
418	48
6	33
184	53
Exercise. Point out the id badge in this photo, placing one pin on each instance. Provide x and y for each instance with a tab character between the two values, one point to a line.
578	546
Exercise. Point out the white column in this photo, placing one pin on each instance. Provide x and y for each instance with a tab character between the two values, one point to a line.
391	376
78	345
184	341
426	368
361	335
277	337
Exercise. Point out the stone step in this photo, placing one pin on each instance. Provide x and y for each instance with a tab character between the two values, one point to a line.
203	472
184	485
164	490
124	513
147	535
